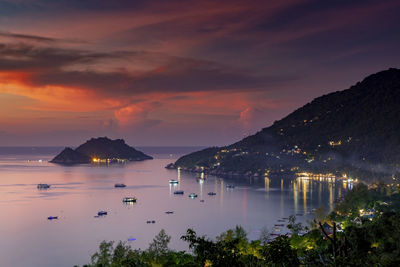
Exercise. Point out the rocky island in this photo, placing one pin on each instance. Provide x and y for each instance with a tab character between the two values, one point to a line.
100	150
355	131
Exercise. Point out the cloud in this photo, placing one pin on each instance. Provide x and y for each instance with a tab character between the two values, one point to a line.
27	37
104	73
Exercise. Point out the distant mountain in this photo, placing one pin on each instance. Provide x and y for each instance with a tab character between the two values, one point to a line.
354	130
99	150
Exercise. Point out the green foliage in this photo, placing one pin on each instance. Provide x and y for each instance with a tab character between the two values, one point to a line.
280	253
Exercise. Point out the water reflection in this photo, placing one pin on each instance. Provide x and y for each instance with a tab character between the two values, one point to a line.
254	204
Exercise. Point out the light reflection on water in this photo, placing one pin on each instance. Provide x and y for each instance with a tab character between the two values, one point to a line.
78	193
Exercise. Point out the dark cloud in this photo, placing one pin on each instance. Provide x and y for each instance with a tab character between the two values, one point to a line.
27	37
51	66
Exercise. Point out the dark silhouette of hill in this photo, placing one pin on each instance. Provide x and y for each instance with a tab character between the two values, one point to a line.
100	148
353	129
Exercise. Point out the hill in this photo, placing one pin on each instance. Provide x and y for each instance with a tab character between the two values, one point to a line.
355	131
100	150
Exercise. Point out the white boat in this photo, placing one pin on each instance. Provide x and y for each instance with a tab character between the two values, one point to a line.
129	199
172	181
193	195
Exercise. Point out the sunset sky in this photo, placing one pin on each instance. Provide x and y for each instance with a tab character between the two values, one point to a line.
179	72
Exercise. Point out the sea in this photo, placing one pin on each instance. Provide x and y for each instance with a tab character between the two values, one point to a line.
78	193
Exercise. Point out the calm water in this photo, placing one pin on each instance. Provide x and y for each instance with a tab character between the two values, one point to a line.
78	193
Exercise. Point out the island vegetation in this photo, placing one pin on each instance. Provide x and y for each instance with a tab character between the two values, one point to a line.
362	230
355	131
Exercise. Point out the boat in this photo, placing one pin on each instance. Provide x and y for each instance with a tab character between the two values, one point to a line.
120	185
202	200
43	186
169	212
101	213
230	186
129	199
211	193
276	229
178	192
193	195
279	225
172	181
52	218
282	220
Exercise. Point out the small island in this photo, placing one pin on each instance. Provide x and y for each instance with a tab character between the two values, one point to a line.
100	150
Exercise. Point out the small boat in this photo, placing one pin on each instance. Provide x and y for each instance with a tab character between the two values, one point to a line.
43	186
101	213
230	186
276	229
52	218
279	225
275	234
129	199
282	220
120	185
178	192
285	218
150	221
202	200
172	181
193	195
212	193
169	212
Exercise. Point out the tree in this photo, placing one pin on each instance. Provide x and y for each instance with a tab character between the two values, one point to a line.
159	246
280	253
294	227
103	257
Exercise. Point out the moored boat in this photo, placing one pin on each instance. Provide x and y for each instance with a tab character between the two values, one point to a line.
172	181
120	185
129	199
193	195
178	192
43	186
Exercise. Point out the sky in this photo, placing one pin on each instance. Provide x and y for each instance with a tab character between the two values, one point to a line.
179	73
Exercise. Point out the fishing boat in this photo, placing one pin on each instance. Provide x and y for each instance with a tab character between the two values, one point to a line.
178	192
172	181
101	213
120	185
211	193
52	218
129	200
